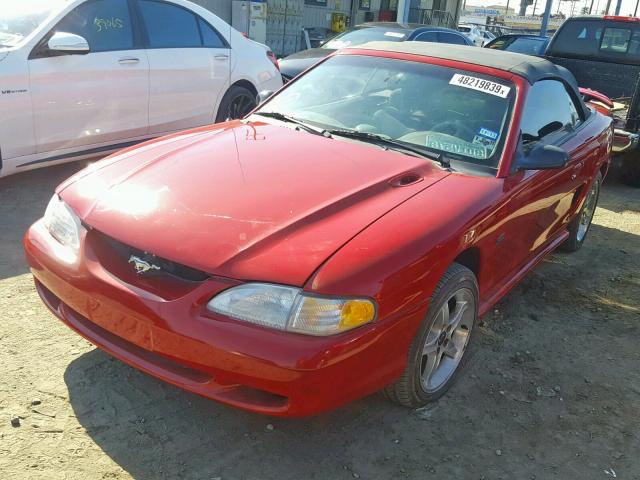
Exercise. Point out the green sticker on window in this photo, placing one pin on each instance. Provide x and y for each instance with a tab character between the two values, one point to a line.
460	148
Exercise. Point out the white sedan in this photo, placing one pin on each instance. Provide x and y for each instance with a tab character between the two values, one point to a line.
473	33
80	78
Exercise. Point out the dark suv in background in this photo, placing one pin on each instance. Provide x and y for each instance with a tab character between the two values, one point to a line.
603	53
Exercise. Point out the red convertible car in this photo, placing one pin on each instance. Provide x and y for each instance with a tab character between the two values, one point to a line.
342	239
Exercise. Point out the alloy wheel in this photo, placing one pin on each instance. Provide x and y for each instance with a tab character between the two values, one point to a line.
588	211
240	106
447	340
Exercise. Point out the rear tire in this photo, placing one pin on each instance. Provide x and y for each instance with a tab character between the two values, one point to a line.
579	226
630	171
236	103
437	353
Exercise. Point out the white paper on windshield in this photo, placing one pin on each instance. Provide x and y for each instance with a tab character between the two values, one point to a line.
394	34
480	84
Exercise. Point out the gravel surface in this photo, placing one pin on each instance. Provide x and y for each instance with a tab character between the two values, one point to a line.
553	389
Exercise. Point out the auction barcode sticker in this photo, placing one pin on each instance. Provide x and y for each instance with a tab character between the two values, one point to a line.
480	84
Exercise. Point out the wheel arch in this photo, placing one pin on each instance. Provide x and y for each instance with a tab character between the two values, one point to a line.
242	82
245	84
470	258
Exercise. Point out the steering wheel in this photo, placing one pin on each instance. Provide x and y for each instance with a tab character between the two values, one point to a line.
455	128
344	87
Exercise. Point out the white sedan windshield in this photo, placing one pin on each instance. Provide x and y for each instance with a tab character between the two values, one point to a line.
18	19
359	36
458	113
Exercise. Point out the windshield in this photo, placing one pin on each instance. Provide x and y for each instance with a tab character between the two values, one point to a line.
456	113
364	35
526	45
18	19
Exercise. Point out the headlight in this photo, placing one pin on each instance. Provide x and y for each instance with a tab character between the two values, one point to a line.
63	224
289	308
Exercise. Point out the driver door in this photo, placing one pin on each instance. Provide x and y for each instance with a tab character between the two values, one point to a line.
542	200
95	99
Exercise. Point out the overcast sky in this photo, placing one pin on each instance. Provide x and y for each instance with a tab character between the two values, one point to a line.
628	6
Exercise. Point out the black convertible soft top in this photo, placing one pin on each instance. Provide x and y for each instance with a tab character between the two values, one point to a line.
530	68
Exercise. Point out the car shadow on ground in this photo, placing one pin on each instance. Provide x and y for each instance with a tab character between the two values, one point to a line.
506	399
618	197
185	436
23	199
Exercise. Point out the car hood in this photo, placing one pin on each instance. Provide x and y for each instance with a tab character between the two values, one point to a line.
297	63
251	201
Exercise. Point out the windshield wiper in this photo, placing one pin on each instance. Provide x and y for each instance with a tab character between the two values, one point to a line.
391	144
288	118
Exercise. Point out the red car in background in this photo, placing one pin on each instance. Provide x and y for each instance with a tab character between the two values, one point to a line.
342	239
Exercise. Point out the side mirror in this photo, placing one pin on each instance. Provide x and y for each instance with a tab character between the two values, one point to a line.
263	96
68	43
543	157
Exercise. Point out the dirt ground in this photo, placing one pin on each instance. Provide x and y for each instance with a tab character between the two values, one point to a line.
553	390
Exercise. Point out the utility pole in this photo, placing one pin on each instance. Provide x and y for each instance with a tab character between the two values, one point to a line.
618	5
606	10
635	12
591	7
545	18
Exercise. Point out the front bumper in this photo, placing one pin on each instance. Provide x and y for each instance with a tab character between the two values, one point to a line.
168	333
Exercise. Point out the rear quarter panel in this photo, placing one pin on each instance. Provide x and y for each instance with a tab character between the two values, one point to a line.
249	62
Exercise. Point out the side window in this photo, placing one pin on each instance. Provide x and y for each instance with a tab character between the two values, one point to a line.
169	26
549	108
105	24
451	38
210	38
634	46
579	38
615	40
427	37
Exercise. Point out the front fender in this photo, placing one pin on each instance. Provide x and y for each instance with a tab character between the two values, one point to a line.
399	259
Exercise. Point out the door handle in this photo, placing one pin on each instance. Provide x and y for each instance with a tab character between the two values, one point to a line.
128	61
221	58
576	169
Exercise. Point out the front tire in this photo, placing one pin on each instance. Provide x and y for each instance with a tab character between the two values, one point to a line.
437	353
236	103
579	226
